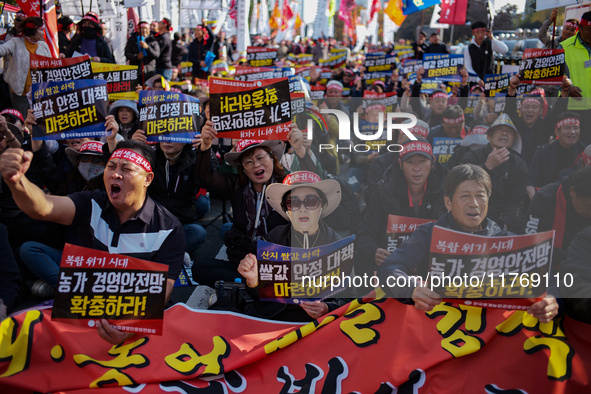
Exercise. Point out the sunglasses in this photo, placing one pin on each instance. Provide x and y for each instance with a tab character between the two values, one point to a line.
293	203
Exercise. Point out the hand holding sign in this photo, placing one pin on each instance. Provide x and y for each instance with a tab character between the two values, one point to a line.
14	163
110	334
315	309
248	268
208	134
544	310
140	136
425	299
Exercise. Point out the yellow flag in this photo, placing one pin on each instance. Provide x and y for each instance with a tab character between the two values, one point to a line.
394	11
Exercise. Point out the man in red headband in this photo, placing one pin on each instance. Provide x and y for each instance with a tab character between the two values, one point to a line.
568	30
479	55
164	63
202	43
142	50
550	159
123	219
453	125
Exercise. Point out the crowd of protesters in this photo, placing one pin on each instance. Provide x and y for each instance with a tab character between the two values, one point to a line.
516	171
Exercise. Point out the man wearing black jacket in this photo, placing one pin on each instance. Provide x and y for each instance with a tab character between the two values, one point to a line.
411	187
564	207
163	63
178	50
142	49
202	43
91	41
64	27
550	159
466	189
506	169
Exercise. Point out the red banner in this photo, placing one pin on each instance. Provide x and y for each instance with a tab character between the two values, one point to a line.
367	346
453	12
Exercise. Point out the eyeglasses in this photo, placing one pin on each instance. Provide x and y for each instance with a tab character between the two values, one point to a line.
310	203
249	164
90	159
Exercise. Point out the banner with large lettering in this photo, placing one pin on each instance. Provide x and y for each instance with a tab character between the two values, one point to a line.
372	345
443	67
94	285
245	73
494	83
258	110
70	109
261	57
443	148
121	80
400	228
379	63
169	116
542	66
510	272
48	69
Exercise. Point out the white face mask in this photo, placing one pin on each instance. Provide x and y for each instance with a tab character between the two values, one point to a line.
90	171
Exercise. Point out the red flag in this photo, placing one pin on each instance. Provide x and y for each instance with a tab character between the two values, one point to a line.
48	13
453	12
375	7
133	20
287	14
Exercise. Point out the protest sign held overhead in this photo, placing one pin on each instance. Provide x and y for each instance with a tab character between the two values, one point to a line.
245	73
48	69
261	57
379	63
471	103
400	228
494	83
70	109
542	66
443	148
169	116
292	275
121	80
409	67
93	285
317	92
509	272
251	110
443	67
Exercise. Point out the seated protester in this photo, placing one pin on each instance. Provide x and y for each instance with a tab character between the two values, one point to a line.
381	163
411	187
577	298
433	114
507	171
258	165
452	125
10	279
582	161
564	207
175	186
127	116
550	159
466	190
91	41
302	199
476	139
535	127
125	214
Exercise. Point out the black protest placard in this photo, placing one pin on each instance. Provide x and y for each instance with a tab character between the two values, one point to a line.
261	57
48	69
258	110
70	109
121	80
94	285
542	66
509	272
400	228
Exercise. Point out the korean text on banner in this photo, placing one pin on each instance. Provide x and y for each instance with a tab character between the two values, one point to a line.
121	80
70	109
48	69
251	110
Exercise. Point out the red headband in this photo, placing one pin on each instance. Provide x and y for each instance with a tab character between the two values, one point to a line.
439	94
13	112
92	146
301	177
479	130
567	121
584	22
419	130
480	29
457	120
424	147
531	100
167	24
133	157
31	25
571	24
379	107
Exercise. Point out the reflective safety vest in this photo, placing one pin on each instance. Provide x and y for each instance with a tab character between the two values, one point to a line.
575	56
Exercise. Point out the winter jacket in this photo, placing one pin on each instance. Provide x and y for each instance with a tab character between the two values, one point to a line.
64	41
197	51
543	168
178	50
227	185
508	184
439	132
412	256
103	51
391	198
163	61
17	69
152	52
179	195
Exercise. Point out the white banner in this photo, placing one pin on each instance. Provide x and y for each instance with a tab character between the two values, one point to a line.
242	30
118	32
389	29
107	9
321	23
310	10
189	19
372	29
75	7
201	4
435	19
254	18
264	28
174	13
